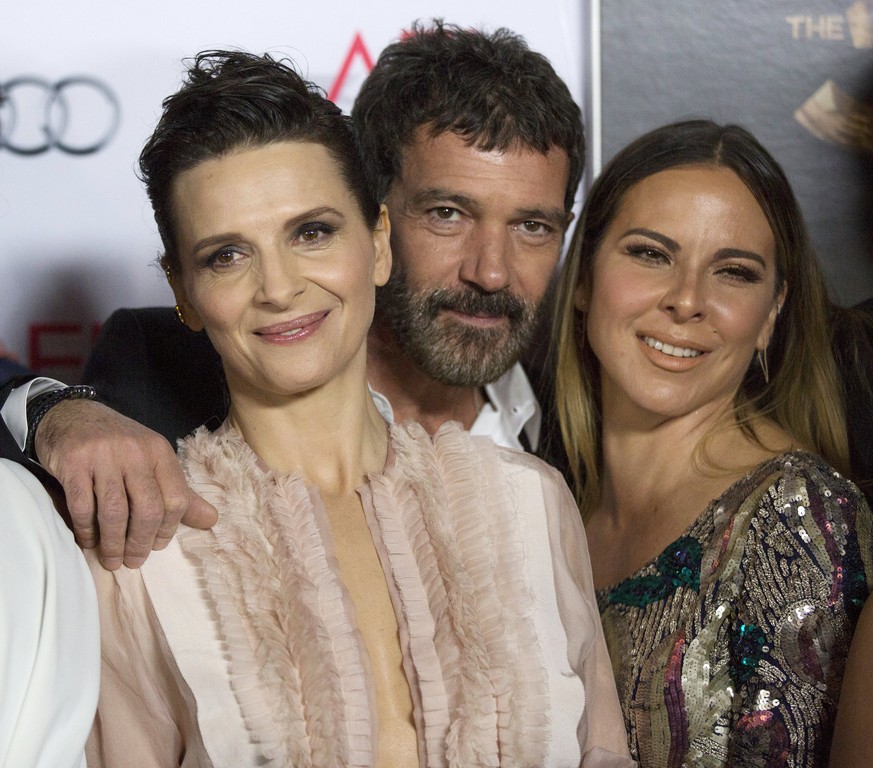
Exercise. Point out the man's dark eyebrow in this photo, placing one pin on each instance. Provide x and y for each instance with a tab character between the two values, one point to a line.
556	216
438	194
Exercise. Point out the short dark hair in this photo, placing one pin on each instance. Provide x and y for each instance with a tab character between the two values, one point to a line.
490	89
234	100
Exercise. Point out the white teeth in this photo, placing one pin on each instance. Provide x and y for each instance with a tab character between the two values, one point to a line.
292	332
669	349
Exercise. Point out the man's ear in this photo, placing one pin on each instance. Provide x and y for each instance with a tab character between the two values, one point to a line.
382	246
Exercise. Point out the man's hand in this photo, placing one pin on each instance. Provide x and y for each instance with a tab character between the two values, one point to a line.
119	477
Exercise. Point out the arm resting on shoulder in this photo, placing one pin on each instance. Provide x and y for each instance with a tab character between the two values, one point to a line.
122	482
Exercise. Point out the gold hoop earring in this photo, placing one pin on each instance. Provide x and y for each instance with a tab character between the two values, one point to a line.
762	361
182	318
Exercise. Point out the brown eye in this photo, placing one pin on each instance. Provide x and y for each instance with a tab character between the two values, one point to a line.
647	253
224	257
445	213
534	227
314	232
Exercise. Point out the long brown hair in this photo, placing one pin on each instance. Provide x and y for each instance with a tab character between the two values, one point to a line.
803	393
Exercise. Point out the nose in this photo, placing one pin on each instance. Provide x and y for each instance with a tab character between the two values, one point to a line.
488	259
278	279
685	296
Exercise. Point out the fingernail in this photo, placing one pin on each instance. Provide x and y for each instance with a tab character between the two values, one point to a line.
111	563
134	562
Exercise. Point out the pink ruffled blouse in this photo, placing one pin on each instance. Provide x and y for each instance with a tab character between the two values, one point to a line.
238	646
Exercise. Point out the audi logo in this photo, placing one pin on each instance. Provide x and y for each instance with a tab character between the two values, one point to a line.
77	115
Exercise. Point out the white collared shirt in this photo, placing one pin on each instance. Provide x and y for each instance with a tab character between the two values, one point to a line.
512	408
14	410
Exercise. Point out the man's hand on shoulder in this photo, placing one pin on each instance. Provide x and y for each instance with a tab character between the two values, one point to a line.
124	487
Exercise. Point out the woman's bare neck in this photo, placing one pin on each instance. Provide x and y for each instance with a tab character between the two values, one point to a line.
332	441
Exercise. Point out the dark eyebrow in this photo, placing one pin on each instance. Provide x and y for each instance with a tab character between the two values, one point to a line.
722	255
222	238
313	213
555	216
438	194
668	242
739	253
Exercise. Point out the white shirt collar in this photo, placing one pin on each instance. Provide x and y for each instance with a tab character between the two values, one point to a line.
512	408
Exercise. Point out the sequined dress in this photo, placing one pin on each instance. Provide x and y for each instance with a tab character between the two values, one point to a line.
729	647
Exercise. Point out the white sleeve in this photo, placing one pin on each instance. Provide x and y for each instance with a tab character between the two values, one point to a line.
14	410
49	631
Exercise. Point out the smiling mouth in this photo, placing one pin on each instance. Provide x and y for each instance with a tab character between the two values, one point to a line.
669	349
301	326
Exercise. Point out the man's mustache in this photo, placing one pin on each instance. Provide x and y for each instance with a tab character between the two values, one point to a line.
472	302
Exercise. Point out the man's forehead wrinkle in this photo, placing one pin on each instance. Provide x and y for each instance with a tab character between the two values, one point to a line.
482	140
500	132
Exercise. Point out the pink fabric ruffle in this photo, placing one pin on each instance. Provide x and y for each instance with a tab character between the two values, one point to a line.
445	526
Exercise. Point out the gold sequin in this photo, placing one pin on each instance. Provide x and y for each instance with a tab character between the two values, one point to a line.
744	667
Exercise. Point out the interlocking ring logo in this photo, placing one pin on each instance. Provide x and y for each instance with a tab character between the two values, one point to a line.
77	115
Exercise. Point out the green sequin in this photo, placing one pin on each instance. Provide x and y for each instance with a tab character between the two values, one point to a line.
747	651
677	566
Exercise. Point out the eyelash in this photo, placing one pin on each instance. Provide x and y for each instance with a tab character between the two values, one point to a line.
647	253
321	227
733	271
318	227
542	229
741	273
212	259
444	214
